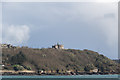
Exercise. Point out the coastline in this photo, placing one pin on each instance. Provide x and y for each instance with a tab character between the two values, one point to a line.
34	73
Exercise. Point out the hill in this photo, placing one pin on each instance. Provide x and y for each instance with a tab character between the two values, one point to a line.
49	59
117	60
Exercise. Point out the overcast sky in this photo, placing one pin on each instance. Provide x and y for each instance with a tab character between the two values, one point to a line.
81	25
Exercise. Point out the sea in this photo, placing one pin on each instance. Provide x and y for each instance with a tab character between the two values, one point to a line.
69	77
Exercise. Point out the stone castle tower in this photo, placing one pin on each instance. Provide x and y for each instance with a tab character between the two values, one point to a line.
58	46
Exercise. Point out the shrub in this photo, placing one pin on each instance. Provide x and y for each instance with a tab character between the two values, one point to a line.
89	67
18	58
18	67
27	67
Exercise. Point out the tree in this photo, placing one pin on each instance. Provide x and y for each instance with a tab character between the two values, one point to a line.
18	58
18	67
89	67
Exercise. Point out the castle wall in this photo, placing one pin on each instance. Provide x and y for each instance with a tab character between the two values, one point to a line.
58	46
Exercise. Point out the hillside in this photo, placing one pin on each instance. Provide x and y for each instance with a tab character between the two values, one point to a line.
56	59
117	60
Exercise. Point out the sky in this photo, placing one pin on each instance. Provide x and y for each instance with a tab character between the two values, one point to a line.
76	25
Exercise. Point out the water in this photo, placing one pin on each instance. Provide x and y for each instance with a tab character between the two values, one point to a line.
76	77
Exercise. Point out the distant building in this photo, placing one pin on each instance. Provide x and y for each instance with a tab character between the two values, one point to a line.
58	46
7	46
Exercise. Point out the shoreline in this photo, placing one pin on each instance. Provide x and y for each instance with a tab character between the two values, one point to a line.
25	74
32	72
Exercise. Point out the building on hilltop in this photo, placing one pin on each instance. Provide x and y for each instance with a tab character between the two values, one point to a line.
8	46
5	45
58	46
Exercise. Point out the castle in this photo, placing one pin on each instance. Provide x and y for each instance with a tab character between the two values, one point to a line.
8	46
58	46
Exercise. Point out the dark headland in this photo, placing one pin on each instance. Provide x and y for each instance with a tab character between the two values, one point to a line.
54	61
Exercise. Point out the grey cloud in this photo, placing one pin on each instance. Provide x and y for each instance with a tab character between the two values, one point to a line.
110	15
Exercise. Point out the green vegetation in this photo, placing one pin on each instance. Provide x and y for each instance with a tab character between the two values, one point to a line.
18	58
18	67
56	60
89	67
